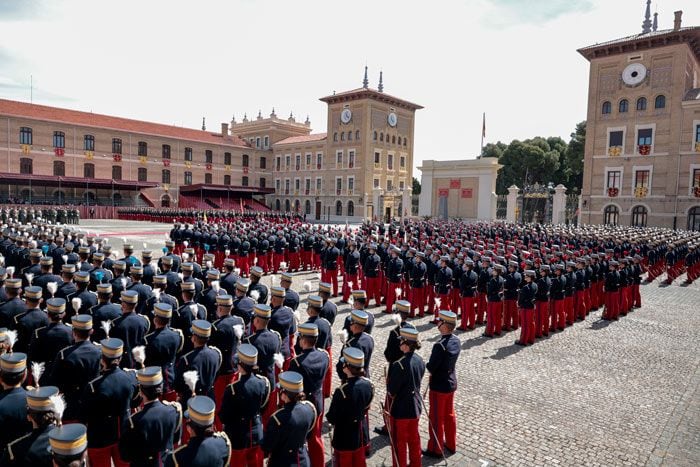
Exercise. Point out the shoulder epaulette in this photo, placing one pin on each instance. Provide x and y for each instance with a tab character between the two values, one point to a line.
9	446
218	352
398	362
92	388
274	417
176	405
17	317
342	390
36	331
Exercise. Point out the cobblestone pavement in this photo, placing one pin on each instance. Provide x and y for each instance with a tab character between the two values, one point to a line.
598	393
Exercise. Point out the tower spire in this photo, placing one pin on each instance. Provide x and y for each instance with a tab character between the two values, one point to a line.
646	25
655	26
365	81
380	88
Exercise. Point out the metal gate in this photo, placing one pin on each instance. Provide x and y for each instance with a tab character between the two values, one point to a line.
535	204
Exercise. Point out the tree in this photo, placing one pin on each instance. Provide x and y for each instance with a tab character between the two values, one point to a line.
416	186
574	156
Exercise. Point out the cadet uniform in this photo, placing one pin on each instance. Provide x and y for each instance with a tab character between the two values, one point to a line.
49	340
526	310
205	360
102	312
361	340
29	321
130	327
226	335
13	401
268	344
162	347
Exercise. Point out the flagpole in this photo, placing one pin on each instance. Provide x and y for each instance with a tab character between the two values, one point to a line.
483	133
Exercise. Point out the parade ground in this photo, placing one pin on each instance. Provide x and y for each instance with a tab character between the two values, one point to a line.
599	393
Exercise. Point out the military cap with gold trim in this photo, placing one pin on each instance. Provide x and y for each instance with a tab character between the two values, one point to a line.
163	310
150	376
81	322
408	334
242	285
224	300
136	271
291	381
262	311
68	268
229	262
104	288
248	354
128	247
35	253
169	243
187	286
121	265
201	328
13	283
403	306
83	250
98	256
39	399
447	316
160	280
359	317
213	274
359	295
68	440
46	261
56	306
187	267
112	347
256	271
201	411
308	330
286	276
147	254
353	356
167	260
189	251
279	292
82	277
130	296
315	301
33	292
15	362
324	287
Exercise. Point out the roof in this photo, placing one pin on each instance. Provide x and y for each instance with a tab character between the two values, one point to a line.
303	139
73	182
368	93
89	119
642	41
229	188
692	94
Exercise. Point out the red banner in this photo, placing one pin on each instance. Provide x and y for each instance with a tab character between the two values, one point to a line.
467	192
455	183
443	192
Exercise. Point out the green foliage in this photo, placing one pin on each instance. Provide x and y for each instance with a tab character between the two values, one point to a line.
540	160
416	186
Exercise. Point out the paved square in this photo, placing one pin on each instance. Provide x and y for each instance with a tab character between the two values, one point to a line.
598	393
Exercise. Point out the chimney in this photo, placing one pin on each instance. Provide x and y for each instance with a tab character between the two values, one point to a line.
224	129
677	20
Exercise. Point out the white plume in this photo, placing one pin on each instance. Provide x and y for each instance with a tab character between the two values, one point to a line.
30	277
167	237
279	360
283	265
307	286
297	316
343	335
238	330
255	260
58	406
11	336
255	295
194	309
208	264
106	326
77	302
52	287
191	377
65	259
216	285
227	252
318	277
156	294
145	245
185	257
10	271
124	240
396	318
37	371
398	291
437	302
122	281
139	354
181	276
186	243
351	300
2	260
237	271
350	284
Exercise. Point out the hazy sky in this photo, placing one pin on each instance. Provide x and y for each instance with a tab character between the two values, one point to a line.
177	61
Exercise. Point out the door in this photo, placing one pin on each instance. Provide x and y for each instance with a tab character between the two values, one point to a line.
318	210
387	216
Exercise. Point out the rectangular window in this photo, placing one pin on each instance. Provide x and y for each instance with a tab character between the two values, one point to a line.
267	142
208	179
319	185
143	148
319	161
227	180
89	170
277	163
389	185
297	162
227	158
307	186
351	185
188	157
351	159
644	137
339	159
614	178
188	178
696	177
166	151
615	138
244	180
338	186
59	169
263	162
277	184
262	182
89	143
376	183
257	142
208	156
25	166
308	161
143	174
116	172
641	179
297	185
402	184
402	162
697	133
390	162
286	186
377	160
116	146
59	139
165	176
25	135
288	161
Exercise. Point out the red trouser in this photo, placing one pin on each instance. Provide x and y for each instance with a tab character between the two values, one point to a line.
277	258
468	313
372	285
405	434
329	374
580	301
430	298
510	314
250	457
623	300
391	296
455	301
103	457
612	305
636	296
315	260
558	315
569	308
443	430
220	384
332	275
542	318
480	307
444	304
294	260
494	312
244	264
354	458
315	443
349	282
527	325
418	301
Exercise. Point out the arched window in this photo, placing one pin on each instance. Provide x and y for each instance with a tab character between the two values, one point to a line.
639	216
59	169
286	205
694	218
611	215
393	139
607	107
642	103
660	102
375	136
404	142
307	207
142	174
357	135
624	106
342	136
381	136
89	170
349	135
351	208
335	137
297	206
245	160
338	208
165	201
277	205
165	176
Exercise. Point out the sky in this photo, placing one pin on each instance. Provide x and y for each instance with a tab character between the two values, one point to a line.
174	62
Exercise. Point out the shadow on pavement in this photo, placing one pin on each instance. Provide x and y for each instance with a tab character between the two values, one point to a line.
600	324
505	352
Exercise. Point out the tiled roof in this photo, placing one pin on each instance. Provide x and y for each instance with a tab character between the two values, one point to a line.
691	34
370	93
303	139
75	117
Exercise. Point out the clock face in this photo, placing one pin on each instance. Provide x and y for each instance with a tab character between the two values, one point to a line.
634	74
392	119
346	116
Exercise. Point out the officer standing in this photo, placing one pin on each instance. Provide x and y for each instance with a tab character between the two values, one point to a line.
282	321
13	398
358	338
291	298
104	311
162	347
268	344
256	287
69	445
203	359
14	305
494	302
526	309
226	335
49	340
130	327
187	313
31	320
